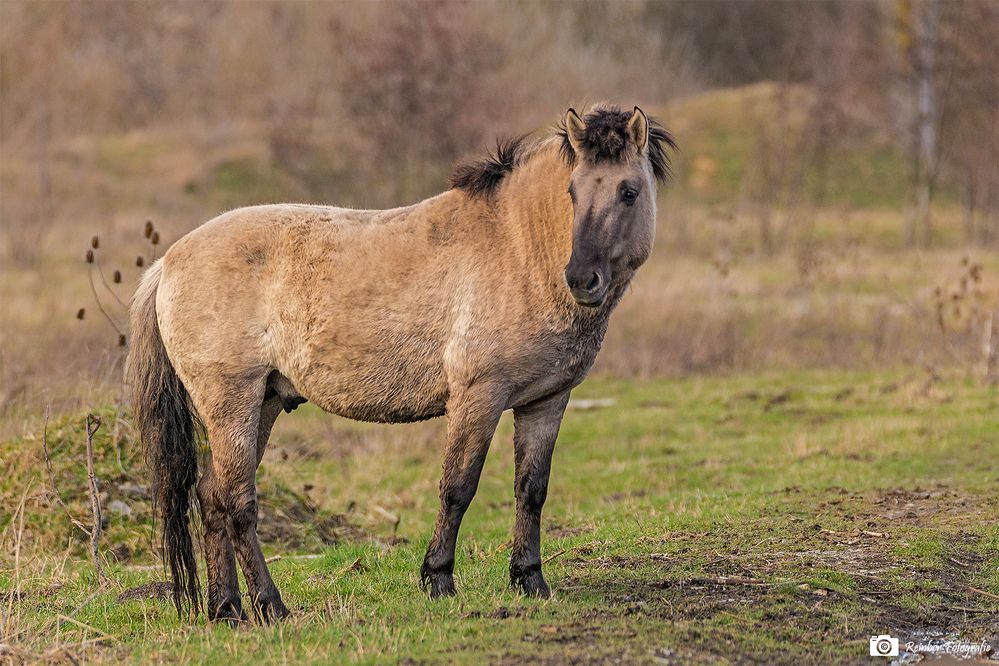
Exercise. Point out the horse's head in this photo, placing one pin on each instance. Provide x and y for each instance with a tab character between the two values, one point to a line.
617	158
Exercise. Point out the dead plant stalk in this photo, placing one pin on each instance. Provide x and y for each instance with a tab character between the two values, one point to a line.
93	425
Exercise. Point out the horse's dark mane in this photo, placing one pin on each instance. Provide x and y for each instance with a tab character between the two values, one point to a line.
482	177
606	138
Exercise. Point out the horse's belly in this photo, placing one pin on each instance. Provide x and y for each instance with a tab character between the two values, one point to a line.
377	410
378	387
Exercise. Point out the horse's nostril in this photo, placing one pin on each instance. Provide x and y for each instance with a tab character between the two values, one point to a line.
594	282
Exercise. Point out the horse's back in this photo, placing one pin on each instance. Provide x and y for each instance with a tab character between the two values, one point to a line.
318	293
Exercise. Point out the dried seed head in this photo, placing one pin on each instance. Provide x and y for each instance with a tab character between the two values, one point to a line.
139	261
95	242
148	231
81	313
155	238
121	340
90	256
116	277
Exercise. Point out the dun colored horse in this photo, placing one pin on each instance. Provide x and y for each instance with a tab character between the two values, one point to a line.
494	295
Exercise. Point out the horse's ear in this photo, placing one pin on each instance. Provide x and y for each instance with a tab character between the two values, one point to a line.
638	128
575	130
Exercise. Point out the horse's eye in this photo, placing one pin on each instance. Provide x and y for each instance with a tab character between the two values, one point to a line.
629	197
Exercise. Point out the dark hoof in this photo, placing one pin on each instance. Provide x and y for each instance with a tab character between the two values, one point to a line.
270	609
228	610
438	583
530	582
441	585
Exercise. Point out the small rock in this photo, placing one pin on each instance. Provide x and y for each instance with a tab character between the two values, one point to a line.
595	403
134	490
121	552
157	590
120	508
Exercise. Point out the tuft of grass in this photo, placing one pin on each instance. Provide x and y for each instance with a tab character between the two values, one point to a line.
923	550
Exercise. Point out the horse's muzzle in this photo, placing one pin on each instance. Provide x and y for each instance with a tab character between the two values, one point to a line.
587	286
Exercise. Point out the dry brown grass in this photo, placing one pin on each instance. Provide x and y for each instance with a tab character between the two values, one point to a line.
843	295
854	307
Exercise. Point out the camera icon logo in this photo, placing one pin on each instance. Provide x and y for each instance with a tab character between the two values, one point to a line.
884	646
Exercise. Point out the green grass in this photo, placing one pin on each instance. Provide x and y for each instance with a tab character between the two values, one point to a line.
739	130
772	518
248	181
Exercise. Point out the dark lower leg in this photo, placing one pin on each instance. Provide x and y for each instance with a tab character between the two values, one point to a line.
437	572
264	595
470	429
525	558
220	560
237	423
535	430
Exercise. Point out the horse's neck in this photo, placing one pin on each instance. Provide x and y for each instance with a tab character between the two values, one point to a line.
537	212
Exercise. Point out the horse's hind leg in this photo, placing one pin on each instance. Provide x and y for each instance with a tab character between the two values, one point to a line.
223	584
268	415
236	424
220	559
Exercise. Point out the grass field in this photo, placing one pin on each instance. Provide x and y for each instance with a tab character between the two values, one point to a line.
781	518
785	501
789	441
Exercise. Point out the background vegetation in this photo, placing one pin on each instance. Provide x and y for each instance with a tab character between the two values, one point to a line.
814	344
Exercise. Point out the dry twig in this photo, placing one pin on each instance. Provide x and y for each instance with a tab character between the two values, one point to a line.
555	555
93	425
54	489
984	593
733	580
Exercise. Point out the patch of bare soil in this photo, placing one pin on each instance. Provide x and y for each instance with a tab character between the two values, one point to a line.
557	530
155	590
295	521
773	589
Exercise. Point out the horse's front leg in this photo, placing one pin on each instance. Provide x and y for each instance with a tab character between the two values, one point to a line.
535	430
472	419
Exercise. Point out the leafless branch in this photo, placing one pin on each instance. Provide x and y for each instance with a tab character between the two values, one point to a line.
54	489
100	305
114	294
93	425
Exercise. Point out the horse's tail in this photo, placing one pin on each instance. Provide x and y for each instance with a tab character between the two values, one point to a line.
167	426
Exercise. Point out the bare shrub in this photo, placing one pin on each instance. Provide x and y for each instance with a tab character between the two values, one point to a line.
413	83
